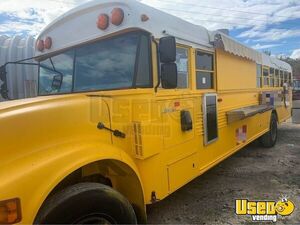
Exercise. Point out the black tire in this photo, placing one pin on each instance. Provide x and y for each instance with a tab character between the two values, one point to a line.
269	139
87	203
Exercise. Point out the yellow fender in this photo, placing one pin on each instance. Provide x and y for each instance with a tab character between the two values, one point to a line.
32	177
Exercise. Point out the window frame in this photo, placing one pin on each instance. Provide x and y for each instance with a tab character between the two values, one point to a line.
272	77
137	61
291	79
277	78
259	66
133	87
286	77
189	71
39	70
214	72
266	77
281	78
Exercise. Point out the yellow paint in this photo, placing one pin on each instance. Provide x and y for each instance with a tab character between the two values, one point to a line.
243	76
43	140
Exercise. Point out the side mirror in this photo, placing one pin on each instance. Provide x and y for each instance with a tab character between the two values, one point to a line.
167	49
169	75
57	82
167	54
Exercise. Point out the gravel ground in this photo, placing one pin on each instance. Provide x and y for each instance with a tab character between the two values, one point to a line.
253	173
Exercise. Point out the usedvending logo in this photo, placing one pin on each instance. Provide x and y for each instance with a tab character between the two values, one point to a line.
264	211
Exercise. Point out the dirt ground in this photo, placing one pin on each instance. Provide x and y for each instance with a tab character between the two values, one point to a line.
253	173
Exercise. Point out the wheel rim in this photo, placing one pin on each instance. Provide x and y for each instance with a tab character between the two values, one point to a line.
95	219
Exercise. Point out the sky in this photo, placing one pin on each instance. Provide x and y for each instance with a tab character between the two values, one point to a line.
265	25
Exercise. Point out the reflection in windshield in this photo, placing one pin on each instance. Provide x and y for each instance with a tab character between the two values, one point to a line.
109	64
116	63
62	63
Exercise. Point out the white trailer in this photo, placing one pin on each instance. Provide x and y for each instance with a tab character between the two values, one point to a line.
21	79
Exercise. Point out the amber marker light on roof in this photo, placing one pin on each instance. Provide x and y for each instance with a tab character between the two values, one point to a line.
40	45
117	16
48	42
10	211
103	21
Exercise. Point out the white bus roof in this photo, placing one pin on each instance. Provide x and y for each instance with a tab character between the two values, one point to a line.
275	63
79	26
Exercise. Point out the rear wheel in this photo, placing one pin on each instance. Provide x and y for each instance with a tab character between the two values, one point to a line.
269	139
87	203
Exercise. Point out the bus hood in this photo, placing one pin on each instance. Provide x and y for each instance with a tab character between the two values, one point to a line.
42	123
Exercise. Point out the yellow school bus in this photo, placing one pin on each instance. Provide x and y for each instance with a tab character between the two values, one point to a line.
133	104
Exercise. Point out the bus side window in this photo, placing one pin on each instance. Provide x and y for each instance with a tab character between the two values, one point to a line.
290	79
205	70
266	76
286	77
258	75
143	76
277	79
182	61
272	77
281	78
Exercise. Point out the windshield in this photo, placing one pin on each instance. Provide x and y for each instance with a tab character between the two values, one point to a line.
121	62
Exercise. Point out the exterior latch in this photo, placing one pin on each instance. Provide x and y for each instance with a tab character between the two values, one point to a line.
116	133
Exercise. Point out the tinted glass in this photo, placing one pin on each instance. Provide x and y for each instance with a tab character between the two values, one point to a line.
205	61
211	118
121	62
266	72
297	85
258	75
258	82
281	78
258	70
60	65
182	67
286	77
105	65
271	82
204	80
143	78
272	75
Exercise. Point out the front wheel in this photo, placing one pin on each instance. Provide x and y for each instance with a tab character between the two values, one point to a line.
87	203
269	139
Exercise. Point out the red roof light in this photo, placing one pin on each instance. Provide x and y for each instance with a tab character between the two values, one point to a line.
40	45
103	22
48	42
117	16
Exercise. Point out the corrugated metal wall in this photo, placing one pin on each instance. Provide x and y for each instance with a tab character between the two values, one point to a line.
21	79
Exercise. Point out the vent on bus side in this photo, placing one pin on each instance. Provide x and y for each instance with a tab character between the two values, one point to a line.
137	142
147	141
